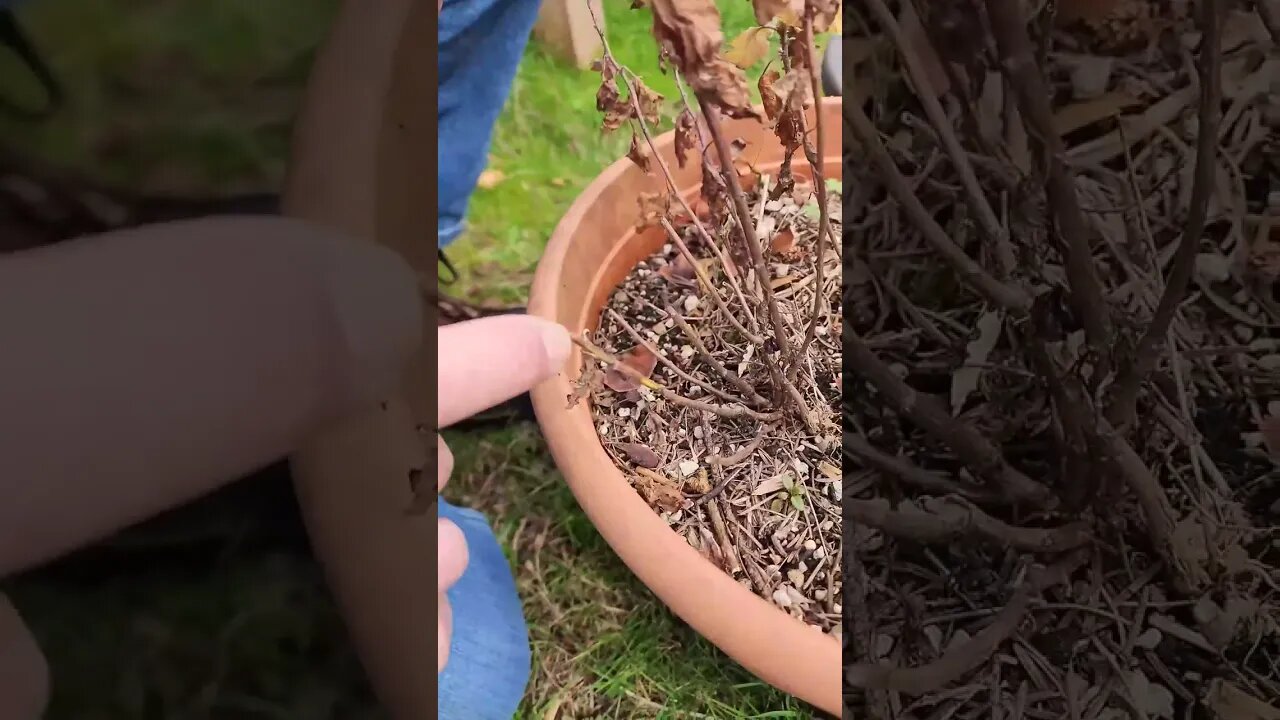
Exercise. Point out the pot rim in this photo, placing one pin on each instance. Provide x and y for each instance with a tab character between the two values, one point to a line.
776	647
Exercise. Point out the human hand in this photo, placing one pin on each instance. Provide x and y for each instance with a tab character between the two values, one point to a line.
483	363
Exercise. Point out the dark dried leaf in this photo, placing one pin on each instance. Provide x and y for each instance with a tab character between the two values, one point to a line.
679	272
749	47
689	31
686	136
787	11
784	242
768	96
639	359
609	101
653	207
650	102
640	455
639	153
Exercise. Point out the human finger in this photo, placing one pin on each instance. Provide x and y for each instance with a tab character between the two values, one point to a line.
142	368
485	362
444	463
451	555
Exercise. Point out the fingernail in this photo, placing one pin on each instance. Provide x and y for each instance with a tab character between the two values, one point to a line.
556	341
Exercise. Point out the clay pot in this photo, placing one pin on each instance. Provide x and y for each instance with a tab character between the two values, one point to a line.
592	250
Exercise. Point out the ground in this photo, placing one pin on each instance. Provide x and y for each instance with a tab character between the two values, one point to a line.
196	97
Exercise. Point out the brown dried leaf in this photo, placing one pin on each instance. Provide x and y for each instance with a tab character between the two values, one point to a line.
608	100
769	97
639	153
641	455
749	47
653	207
638	358
650	102
679	272
1229	702
588	382
689	31
659	491
1075	116
788	11
784	242
686	136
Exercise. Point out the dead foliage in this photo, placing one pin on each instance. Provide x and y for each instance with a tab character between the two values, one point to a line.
1060	326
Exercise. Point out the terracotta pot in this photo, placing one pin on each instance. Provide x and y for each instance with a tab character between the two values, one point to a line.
592	250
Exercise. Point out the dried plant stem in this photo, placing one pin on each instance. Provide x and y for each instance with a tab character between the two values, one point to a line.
946	519
722	537
712	116
982	457
706	284
1018	60
662	358
1002	294
752	396
987	220
1156	509
860	450
820	186
1209	115
740	456
968	655
672	189
729	412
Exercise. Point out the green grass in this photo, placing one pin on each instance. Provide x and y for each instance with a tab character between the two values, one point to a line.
195	97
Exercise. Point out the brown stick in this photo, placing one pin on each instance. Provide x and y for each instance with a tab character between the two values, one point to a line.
1210	114
662	358
982	282
1019	63
730	412
943	519
752	396
749	236
820	183
706	283
982	457
987	220
970	654
859	449
743	453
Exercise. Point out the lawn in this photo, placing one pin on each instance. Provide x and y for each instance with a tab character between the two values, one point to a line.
196	97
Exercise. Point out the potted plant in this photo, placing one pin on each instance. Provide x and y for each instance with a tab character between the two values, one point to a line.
696	421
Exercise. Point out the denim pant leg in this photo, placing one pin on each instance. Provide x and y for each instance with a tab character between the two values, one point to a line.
481	43
489	658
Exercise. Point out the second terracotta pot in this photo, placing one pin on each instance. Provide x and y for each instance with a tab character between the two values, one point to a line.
592	250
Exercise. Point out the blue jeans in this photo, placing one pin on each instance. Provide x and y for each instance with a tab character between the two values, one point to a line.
489	658
481	43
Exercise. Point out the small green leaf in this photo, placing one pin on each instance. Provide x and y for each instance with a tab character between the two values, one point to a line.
797	501
812	212
788	481
835	186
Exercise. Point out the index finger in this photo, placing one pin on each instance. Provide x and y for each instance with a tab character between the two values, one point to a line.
485	362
